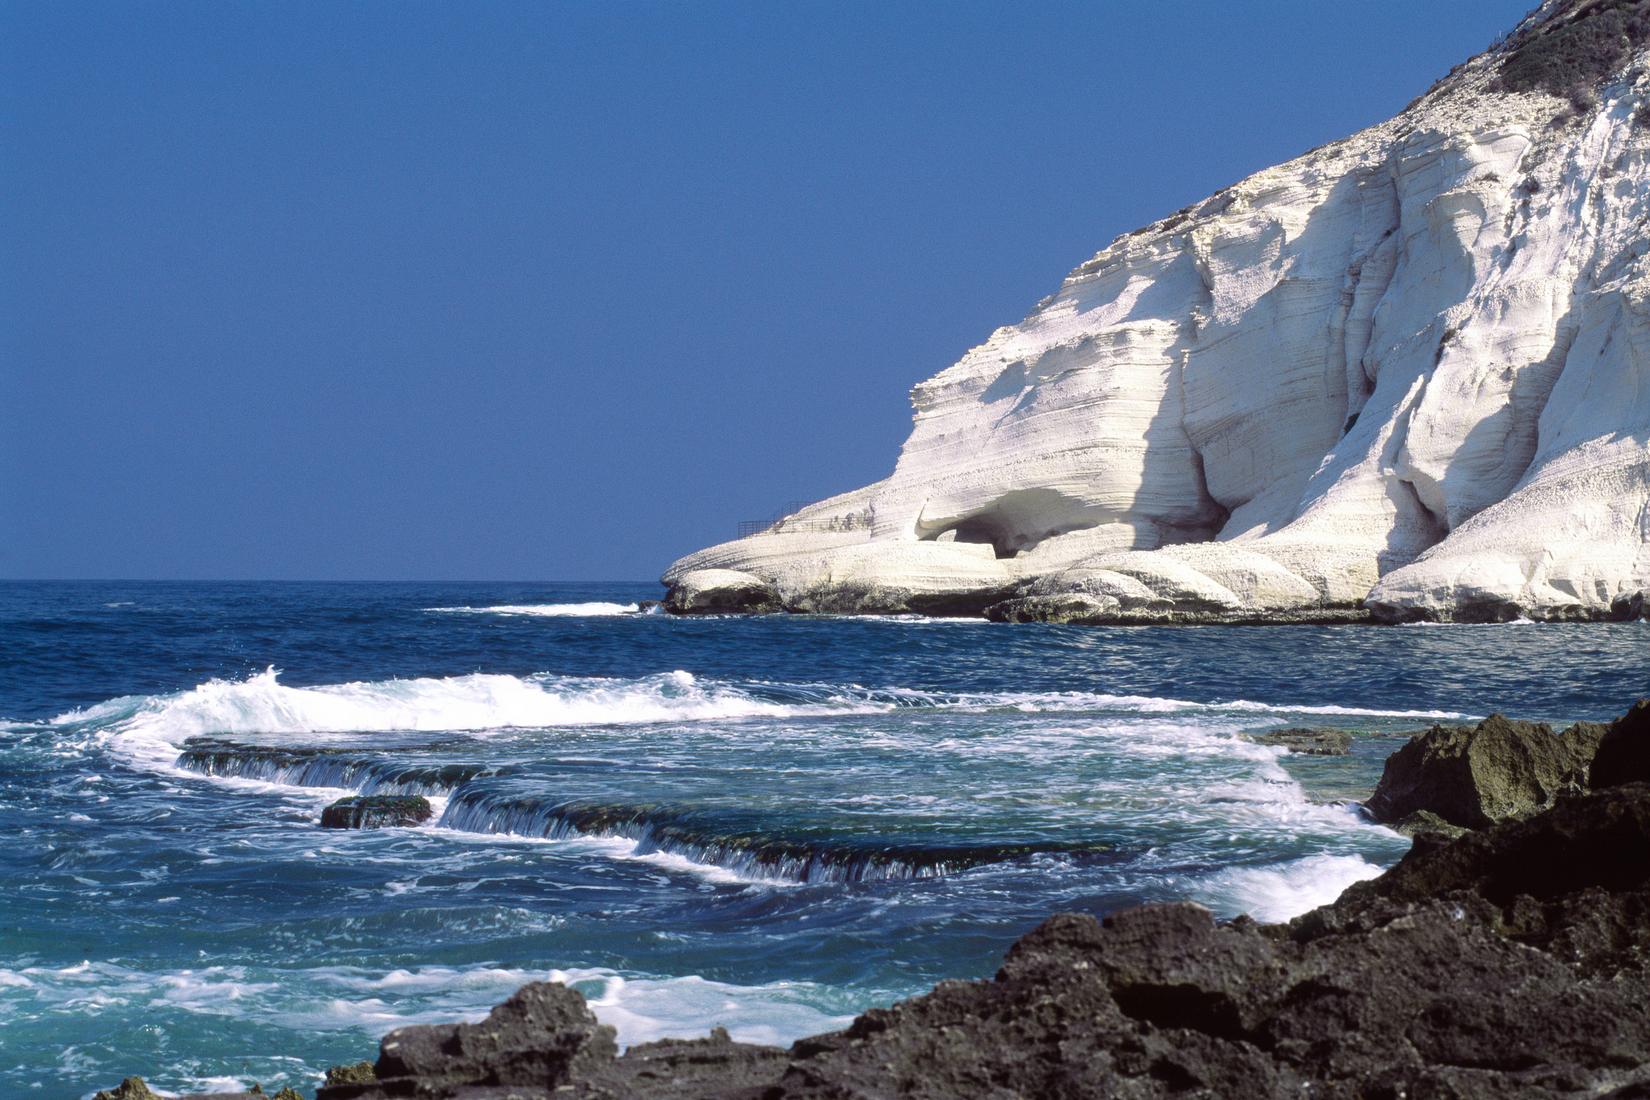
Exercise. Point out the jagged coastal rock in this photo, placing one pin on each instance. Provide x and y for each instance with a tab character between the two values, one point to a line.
1470	777
1406	374
1623	754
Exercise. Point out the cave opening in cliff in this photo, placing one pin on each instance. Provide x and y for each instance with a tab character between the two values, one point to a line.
1016	521
981	529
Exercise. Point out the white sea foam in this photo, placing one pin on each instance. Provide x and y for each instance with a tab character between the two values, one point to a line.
548	610
1151	704
149	728
645	1009
212	1084
1520	621
214	990
1283	890
480	701
618	847
640	1007
627	849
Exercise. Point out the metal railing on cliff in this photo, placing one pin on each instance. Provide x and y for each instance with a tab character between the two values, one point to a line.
778	524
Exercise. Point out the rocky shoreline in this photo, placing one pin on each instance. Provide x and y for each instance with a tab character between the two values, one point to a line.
1507	955
734	592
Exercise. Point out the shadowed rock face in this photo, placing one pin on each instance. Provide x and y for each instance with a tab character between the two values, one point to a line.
721	592
1624	753
1471	777
1511	962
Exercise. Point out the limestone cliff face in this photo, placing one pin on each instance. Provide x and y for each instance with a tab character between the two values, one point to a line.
1408	371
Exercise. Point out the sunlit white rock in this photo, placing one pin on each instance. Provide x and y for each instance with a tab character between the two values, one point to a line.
1412	366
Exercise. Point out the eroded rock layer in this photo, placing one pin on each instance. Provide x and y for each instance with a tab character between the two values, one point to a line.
1408	371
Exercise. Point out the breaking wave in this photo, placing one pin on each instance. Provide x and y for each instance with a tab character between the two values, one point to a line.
546	610
149	729
641	1007
1282	891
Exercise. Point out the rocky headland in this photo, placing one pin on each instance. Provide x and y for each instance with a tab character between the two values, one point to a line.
1403	376
1507	955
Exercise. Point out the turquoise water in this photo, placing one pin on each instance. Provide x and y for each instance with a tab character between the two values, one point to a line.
768	824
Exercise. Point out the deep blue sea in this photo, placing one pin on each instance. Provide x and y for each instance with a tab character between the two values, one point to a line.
768	823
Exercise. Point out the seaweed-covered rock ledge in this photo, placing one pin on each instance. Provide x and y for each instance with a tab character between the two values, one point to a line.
378	811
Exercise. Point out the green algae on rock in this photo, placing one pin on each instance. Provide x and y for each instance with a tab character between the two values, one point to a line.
376	811
1475	776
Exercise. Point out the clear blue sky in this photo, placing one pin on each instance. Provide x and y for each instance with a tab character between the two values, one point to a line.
538	290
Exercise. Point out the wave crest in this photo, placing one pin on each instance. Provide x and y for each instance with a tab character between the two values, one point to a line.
546	610
1283	891
149	728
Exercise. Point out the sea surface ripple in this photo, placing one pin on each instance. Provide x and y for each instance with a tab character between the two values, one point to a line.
767	823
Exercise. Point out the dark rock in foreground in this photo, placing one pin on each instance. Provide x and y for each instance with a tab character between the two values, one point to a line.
1624	752
378	811
1323	741
1472	777
542	1036
1511	962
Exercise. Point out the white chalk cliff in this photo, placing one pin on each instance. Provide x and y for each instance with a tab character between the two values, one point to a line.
1408	371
